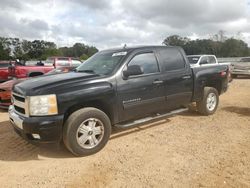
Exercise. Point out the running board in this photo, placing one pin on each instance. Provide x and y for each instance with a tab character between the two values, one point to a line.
148	119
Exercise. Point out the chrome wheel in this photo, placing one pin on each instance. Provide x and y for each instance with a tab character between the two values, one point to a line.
211	101
90	133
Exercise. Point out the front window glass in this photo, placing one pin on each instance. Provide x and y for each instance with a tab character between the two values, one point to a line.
102	63
147	62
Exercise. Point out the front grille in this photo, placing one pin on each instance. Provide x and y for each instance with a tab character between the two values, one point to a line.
19	103
20	110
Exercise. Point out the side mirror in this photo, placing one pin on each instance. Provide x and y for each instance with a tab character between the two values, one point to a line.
132	70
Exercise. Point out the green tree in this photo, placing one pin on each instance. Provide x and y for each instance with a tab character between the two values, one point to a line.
234	48
83	57
175	40
4	54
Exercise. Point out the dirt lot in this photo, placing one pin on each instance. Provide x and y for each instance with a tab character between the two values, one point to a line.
186	150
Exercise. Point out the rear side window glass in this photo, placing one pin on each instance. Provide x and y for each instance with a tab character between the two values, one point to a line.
172	59
204	60
146	61
211	60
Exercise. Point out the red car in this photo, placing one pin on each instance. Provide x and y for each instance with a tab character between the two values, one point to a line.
4	72
18	70
6	87
5	92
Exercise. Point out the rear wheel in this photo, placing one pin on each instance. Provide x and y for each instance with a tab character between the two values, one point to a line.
209	102
86	131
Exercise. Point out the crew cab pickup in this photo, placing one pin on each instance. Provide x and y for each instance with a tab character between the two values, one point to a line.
116	87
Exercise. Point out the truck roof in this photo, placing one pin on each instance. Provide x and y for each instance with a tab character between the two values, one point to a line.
138	47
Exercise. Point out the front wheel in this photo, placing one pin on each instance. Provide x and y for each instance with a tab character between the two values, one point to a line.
209	102
86	131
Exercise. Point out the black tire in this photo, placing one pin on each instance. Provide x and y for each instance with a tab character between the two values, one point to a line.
202	105
72	125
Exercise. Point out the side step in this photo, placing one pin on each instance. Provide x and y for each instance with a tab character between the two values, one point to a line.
151	118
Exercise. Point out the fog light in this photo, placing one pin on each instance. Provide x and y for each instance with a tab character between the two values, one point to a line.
36	136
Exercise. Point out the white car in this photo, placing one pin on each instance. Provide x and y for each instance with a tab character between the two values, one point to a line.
202	60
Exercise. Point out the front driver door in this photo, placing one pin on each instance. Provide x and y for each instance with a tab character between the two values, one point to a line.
141	95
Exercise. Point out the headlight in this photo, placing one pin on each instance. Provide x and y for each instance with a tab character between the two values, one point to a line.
43	105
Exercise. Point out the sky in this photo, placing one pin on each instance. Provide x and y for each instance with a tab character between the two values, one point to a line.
113	23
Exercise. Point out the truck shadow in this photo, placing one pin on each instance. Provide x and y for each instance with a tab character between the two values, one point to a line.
120	132
15	148
243	111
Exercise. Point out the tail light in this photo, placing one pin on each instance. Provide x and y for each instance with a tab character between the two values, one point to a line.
223	73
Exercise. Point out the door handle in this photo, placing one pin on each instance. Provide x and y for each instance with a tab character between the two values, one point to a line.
157	82
186	77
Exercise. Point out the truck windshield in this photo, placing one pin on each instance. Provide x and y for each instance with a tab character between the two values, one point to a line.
193	59
102	63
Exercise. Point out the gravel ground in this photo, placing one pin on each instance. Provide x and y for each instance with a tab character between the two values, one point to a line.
186	150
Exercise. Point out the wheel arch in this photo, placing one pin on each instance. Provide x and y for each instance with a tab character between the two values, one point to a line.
98	104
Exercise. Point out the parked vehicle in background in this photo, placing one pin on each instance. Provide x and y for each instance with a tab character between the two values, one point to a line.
6	87
207	60
4	72
22	71
62	62
198	60
118	87
241	68
5	92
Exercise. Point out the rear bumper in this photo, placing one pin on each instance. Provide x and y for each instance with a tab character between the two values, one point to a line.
37	129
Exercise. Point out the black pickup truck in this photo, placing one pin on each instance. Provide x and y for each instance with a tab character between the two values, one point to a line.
117	87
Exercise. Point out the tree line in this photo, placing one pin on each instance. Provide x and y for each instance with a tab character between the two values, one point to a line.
218	44
15	48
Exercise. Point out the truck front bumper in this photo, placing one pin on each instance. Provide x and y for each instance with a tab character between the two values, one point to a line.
37	129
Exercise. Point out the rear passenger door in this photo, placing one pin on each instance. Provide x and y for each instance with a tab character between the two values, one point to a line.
177	77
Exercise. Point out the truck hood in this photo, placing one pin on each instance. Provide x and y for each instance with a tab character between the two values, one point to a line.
49	84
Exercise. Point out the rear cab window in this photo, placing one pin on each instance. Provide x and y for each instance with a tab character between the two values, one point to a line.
211	60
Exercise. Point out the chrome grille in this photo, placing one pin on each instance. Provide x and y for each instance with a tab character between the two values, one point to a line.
19	104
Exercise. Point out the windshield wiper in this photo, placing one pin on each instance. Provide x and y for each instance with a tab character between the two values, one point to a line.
87	71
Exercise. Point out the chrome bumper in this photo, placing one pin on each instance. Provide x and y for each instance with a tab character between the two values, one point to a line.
14	118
